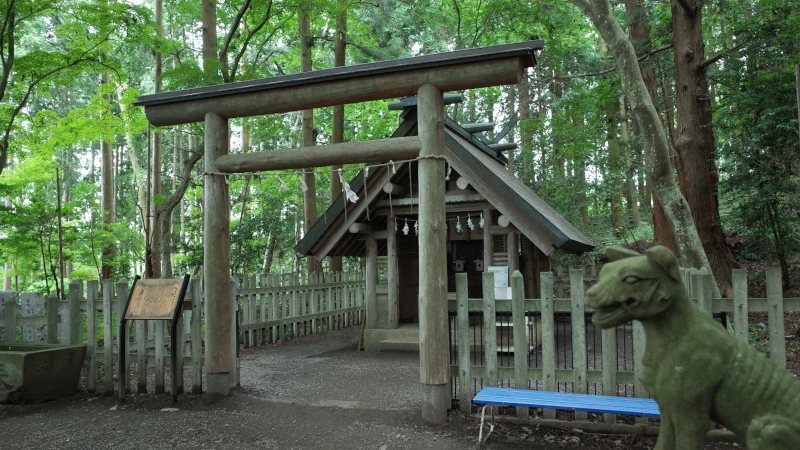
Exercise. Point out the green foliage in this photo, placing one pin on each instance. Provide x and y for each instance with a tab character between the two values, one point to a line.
54	113
757	129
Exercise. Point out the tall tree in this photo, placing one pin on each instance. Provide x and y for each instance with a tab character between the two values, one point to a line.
339	52
109	210
614	173
655	142
310	194
630	171
155	189
694	143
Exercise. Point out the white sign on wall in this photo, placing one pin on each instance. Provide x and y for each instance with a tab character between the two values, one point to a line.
501	289
500	275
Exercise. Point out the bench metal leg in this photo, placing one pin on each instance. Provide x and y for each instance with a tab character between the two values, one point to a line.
481	439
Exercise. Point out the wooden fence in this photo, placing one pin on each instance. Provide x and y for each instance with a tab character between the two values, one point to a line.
533	325
310	304
277	308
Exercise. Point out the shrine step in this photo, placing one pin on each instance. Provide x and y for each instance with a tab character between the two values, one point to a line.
399	345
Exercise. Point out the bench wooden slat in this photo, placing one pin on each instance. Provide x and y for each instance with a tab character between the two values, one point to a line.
569	401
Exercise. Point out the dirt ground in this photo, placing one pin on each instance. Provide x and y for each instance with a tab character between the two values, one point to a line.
315	392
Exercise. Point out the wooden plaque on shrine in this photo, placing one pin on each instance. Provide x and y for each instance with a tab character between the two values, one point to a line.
155	299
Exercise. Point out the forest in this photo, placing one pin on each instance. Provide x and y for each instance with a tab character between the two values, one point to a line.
90	191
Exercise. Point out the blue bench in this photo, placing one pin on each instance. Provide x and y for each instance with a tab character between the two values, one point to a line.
491	396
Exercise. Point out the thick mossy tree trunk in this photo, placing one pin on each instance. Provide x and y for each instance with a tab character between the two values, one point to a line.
640	36
694	143
655	141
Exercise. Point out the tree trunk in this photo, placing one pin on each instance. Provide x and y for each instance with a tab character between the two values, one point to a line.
525	135
155	223
655	141
109	214
639	31
139	176
269	252
210	57
613	176
245	193
541	140
339	54
6	265
630	171
662	230
166	246
310	195
694	143
185	209
296	265
512	104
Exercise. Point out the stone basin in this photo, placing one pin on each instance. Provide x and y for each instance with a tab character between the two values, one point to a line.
35	373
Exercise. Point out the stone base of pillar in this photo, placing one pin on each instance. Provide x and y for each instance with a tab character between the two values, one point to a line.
218	384
435	403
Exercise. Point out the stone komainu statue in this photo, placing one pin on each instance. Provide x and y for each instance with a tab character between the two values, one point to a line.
693	368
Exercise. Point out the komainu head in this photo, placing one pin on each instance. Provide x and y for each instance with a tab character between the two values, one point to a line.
635	286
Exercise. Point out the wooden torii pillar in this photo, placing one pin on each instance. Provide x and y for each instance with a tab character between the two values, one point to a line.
425	76
434	366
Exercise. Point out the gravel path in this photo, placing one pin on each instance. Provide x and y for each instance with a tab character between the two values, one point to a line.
315	392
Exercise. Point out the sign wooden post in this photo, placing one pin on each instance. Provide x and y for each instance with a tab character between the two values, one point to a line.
154	299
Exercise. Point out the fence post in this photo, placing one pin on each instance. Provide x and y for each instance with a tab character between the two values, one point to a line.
7	301
462	337
313	280
140	334
707	286
158	342
108	338
520	337
559	275
489	330
235	380
252	298
52	319
345	300
91	334
740	310
273	303
243	296
777	338
548	338
180	338
576	289
197	337
75	316
295	305
123	333
638	364
609	349
262	283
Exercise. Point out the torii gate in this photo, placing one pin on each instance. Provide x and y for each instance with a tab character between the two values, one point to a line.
427	77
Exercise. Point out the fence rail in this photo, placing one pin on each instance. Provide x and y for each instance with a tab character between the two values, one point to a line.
277	307
550	344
